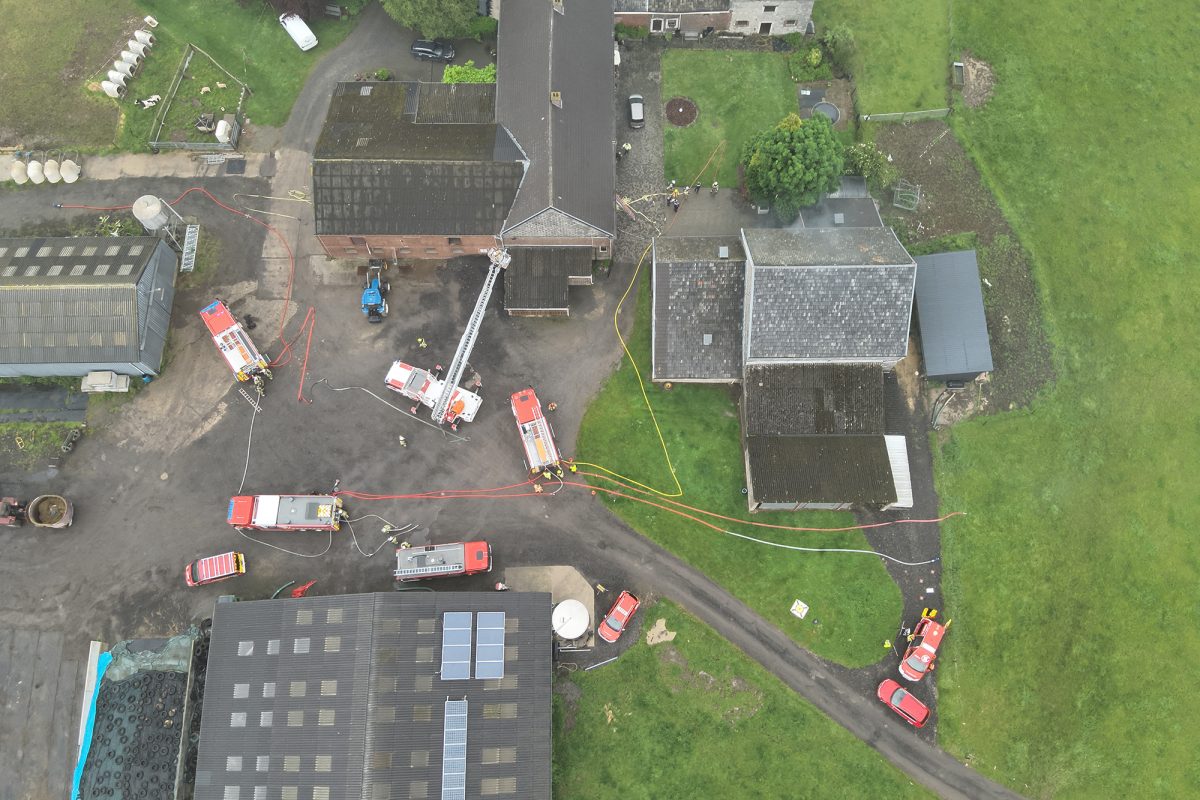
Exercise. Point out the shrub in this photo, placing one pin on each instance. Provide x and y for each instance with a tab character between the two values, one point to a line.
383	74
866	159
839	43
482	28
623	31
469	73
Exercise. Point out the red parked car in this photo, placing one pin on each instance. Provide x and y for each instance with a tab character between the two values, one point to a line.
922	650
897	698
613	624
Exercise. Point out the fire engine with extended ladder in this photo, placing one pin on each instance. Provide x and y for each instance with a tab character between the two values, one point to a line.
450	403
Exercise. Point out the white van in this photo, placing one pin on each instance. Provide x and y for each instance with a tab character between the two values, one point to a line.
301	34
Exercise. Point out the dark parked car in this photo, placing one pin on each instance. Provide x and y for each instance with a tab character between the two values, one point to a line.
637	111
433	50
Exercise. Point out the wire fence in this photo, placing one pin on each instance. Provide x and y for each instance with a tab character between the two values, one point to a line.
908	116
157	140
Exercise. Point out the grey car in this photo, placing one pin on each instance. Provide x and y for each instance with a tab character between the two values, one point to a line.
433	50
637	111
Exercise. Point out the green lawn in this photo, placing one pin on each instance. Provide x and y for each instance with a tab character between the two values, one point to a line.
738	94
903	60
1073	580
852	596
47	67
696	718
248	41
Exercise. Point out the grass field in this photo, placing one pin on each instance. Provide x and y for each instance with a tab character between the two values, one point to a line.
852	596
719	82
1073	581
48	66
696	718
903	59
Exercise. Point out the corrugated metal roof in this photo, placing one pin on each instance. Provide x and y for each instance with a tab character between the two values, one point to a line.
355	703
698	299
538	277
954	334
569	148
783	399
74	260
820	469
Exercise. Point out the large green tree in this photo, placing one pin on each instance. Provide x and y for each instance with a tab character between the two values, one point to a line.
434	19
788	166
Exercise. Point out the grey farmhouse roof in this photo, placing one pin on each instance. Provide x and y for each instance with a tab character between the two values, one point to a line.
412	158
569	145
341	697
790	399
954	334
670	6
538	277
820	469
697	316
72	300
820	294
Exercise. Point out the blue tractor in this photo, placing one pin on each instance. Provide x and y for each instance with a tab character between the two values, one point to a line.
374	306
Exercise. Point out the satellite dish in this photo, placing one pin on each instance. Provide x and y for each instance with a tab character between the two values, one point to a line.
570	619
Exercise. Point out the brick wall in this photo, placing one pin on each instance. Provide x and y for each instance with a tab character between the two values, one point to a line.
695	23
401	248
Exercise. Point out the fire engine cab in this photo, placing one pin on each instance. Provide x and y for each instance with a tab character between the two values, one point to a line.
286	512
233	343
426	388
536	434
442	560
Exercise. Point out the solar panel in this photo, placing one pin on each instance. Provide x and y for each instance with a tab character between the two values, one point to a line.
456	645
454	751
489	644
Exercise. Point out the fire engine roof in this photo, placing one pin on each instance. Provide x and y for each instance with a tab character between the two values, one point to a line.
343	693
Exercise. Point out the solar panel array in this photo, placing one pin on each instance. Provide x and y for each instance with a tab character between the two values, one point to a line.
489	644
456	645
454	751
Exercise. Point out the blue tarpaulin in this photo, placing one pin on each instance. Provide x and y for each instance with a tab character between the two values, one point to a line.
101	666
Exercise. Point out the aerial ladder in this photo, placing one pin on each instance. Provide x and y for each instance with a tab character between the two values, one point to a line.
441	392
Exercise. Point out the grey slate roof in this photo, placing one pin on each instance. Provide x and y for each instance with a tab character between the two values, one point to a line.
819	469
827	295
341	697
75	300
954	334
670	6
571	164
538	277
787	399
697	298
412	197
836	212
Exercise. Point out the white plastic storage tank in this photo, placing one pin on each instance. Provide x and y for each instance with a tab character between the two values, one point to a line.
123	67
112	90
36	175
18	172
145	37
134	46
50	170
224	132
70	171
151	212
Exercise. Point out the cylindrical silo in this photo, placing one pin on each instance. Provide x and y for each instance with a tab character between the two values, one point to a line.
145	37
36	175
112	90
151	212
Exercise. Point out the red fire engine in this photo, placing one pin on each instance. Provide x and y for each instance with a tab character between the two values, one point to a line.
234	344
536	434
286	512
442	560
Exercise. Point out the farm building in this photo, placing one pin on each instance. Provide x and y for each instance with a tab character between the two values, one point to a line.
692	18
74	305
950	317
418	694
